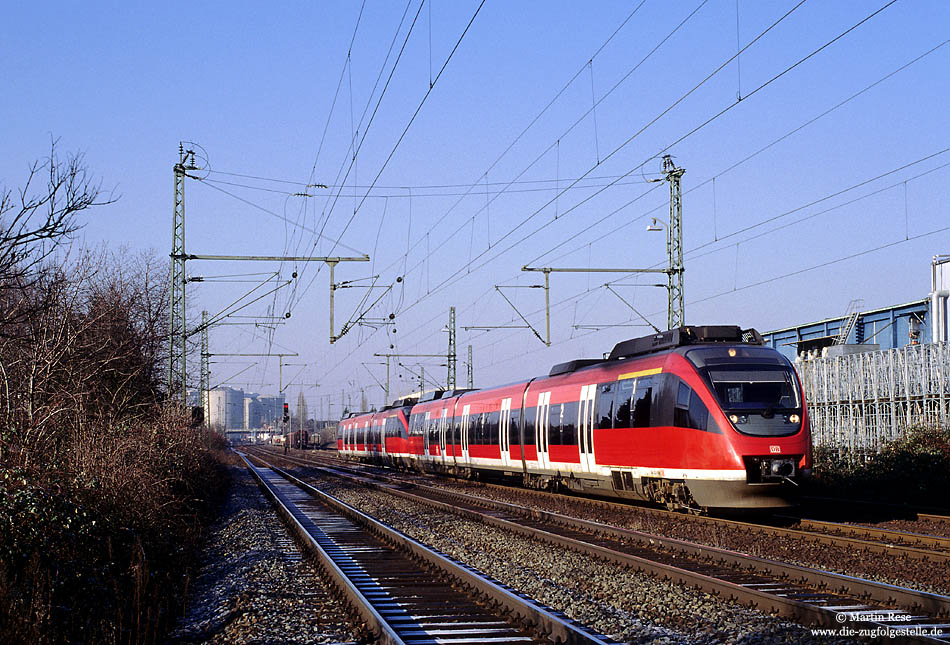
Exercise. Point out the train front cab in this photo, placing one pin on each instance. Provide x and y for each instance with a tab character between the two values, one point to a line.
663	431
755	400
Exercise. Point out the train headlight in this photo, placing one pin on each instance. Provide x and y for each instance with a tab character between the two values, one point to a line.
734	418
794	418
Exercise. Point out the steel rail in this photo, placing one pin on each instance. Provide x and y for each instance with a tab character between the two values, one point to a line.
910	599
381	629
902	543
766	584
902	538
920	512
528	612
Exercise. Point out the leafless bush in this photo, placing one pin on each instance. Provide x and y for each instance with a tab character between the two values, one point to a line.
91	349
102	488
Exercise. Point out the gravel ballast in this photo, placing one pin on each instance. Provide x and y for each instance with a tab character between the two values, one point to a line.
629	606
253	585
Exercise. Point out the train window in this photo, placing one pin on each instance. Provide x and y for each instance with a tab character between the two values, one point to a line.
682	395
491	427
605	405
755	387
623	392
514	431
681	411
690	411
530	416
698	414
642	403
393	427
569	424
554	423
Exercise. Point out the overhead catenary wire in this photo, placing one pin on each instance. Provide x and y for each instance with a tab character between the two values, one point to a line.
349	194
574	297
411	121
556	143
766	147
328	211
467	266
533	214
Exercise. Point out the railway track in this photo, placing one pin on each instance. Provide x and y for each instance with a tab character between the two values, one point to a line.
917	545
864	539
807	595
403	591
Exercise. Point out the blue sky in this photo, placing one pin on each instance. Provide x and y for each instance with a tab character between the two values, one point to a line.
254	85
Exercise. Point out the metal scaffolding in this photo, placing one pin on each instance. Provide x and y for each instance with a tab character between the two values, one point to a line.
859	402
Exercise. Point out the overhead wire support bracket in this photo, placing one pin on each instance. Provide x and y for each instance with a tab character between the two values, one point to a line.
388	356
225	312
547	339
355	319
280	357
632	308
547	271
490	327
330	261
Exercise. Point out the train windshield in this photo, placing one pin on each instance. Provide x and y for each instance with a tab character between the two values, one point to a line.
764	388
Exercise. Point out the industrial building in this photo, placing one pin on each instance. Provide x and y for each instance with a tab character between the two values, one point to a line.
870	376
239	414
226	408
911	323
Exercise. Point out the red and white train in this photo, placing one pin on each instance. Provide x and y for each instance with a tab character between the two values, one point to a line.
696	417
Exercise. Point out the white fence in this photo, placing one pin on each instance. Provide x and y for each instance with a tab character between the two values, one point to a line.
861	401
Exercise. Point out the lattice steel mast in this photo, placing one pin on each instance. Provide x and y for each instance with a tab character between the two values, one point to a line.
674	245
452	359
177	337
205	392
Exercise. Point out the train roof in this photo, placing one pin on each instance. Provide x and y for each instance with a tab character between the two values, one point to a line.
666	341
573	366
686	335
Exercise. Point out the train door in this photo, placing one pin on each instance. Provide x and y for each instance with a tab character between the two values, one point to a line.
466	420
585	427
425	436
442	432
504	441
452	434
541	429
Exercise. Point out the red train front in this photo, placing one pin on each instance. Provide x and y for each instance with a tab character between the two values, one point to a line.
696	417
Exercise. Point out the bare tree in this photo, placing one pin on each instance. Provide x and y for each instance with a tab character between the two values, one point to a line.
36	219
